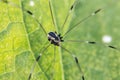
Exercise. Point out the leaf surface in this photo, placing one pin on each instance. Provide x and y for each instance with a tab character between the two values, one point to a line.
22	40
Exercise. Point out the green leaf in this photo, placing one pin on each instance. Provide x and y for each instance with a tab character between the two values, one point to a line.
22	40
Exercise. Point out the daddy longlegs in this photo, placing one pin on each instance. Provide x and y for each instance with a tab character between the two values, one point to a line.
57	39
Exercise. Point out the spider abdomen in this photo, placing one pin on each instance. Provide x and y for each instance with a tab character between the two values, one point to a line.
54	38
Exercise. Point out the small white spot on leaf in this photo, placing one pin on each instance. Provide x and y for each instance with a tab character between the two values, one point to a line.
31	3
106	39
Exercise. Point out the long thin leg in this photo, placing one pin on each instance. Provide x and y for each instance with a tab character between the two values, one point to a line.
53	19
76	61
69	12
27	11
92	42
53	61
94	13
37	59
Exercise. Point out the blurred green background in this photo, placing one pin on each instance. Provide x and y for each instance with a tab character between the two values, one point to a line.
21	40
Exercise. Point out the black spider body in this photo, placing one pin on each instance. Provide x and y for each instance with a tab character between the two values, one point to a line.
55	38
